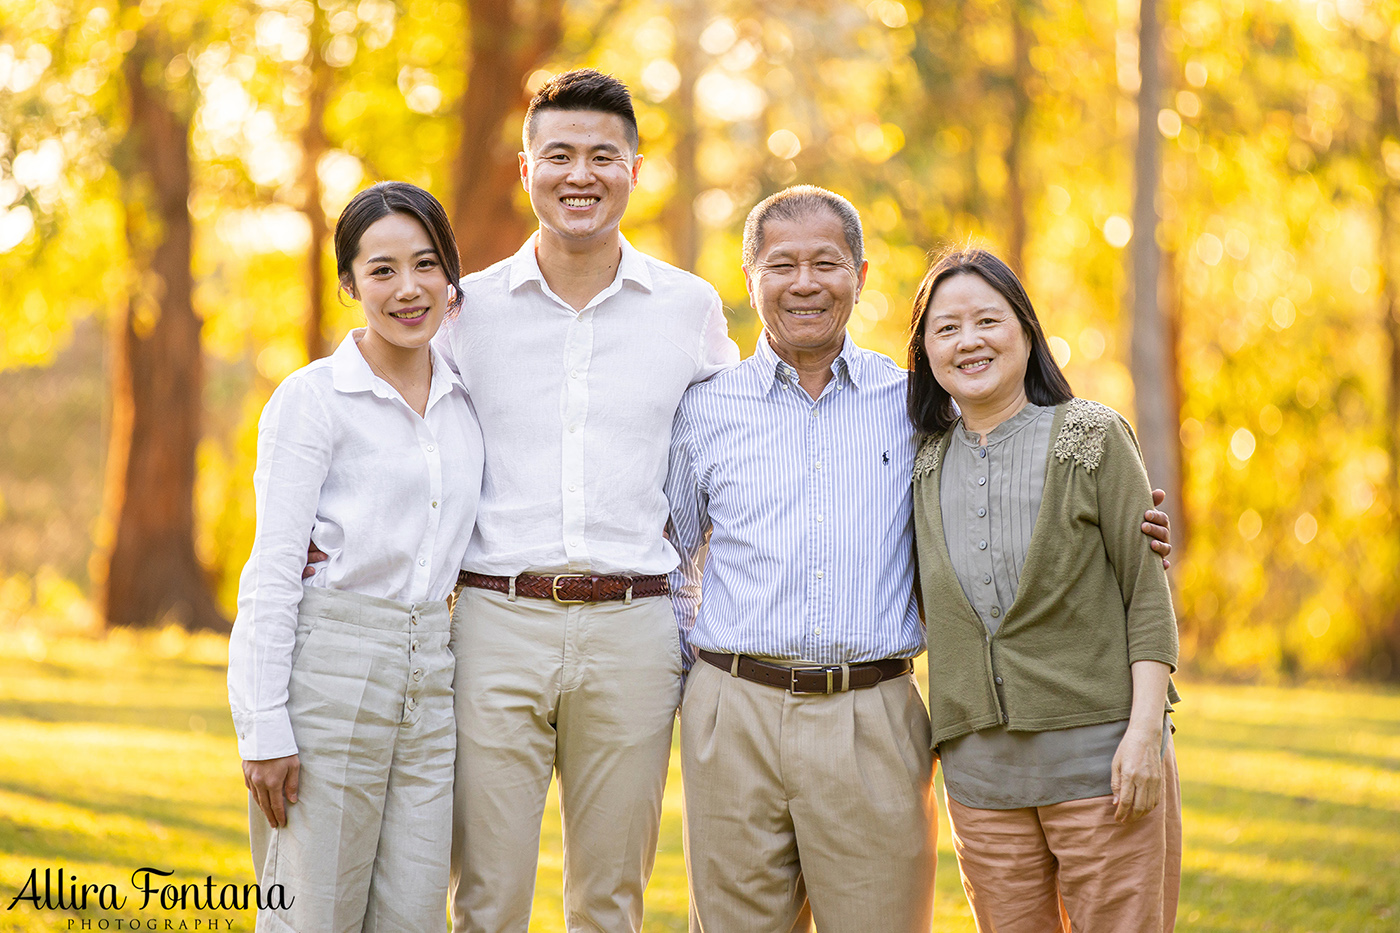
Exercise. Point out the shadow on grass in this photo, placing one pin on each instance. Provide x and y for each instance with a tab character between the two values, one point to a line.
170	815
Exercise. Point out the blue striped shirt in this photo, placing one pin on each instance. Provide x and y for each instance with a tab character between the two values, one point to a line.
806	509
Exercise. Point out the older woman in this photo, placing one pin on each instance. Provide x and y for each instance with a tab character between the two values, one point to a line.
1050	627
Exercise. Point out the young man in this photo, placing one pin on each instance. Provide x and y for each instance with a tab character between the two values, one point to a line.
575	352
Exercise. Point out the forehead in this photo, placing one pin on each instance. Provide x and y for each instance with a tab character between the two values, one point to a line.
578	129
814	232
394	233
967	292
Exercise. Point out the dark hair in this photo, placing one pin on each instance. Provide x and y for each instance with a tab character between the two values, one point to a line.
397	197
584	89
797	202
930	405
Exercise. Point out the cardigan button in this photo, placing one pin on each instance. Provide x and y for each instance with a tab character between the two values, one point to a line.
998	681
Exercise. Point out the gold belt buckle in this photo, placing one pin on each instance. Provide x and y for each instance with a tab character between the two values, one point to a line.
554	588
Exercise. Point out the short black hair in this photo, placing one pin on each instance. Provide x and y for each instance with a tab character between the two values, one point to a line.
396	197
930	405
799	202
584	89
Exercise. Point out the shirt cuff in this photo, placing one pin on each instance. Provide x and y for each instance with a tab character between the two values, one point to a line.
264	735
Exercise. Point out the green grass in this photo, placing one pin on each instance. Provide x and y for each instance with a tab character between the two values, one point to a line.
119	754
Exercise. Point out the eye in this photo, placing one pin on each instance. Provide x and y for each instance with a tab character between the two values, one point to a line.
427	263
557	158
827	266
381	271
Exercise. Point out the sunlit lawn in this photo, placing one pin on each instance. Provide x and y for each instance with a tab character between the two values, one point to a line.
119	754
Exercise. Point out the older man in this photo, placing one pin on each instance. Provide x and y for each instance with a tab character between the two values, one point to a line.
804	741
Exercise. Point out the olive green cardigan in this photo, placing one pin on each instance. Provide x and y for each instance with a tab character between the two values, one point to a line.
1092	597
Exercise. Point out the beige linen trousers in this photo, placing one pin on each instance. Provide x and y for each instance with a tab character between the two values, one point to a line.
366	845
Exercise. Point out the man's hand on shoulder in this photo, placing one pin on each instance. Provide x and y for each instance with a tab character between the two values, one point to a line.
1156	525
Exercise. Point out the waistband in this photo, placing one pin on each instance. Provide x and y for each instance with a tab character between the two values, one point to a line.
375	612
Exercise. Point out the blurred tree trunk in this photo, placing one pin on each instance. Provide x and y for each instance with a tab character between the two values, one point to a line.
1016	142
1159	420
314	145
1386	654
681	226
149	573
508	41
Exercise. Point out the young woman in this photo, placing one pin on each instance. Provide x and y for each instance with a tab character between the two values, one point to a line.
1050	627
341	687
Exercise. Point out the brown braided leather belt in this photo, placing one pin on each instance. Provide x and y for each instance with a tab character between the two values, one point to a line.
570	587
827	678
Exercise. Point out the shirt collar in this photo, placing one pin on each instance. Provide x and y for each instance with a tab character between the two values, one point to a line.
773	369
350	372
525	266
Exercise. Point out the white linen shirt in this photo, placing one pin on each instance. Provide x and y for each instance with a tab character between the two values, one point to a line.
576	410
388	495
806	509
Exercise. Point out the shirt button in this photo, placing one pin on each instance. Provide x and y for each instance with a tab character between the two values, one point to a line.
819	518
982	452
817	631
820	574
574	374
418	674
422	562
981	480
431	448
819	464
415	645
996	612
986	578
814	412
573	488
981	513
434	503
981	545
998	681
573	544
412	703
573	428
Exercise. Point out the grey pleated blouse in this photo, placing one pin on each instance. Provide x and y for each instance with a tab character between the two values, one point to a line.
990	497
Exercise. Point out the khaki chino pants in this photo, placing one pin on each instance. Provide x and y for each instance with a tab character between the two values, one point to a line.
590	691
802	808
370	698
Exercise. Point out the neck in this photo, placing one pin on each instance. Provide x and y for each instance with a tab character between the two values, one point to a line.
982	417
813	366
578	271
402	367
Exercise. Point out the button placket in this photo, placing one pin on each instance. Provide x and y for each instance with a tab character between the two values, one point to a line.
578	348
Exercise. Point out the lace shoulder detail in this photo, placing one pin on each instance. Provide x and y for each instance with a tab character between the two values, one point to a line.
1081	436
927	459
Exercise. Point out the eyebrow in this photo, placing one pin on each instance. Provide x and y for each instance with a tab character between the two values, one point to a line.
421	252
570	147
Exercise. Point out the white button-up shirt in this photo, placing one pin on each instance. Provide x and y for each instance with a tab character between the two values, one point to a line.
806	508
388	495
576	410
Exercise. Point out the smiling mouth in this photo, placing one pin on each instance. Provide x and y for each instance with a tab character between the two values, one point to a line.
973	364
580	202
409	315
804	312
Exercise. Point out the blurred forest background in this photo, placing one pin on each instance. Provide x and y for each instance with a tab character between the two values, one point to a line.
1202	196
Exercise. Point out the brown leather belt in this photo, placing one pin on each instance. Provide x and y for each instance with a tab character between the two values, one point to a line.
827	678
570	587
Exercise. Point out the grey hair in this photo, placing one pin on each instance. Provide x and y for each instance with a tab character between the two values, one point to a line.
798	202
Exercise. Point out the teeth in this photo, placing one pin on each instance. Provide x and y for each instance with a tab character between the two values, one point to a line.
406	314
972	364
580	202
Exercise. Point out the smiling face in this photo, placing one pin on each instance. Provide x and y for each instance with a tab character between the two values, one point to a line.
804	284
976	347
400	283
580	172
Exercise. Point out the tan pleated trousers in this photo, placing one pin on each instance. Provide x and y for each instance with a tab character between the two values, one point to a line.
365	847
802	808
589	690
1069	866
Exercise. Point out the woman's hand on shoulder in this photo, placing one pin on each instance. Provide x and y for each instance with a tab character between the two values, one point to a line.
1137	774
273	783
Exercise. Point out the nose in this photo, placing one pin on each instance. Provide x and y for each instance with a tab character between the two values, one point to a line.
580	170
408	285
968	338
805	282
